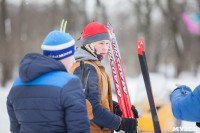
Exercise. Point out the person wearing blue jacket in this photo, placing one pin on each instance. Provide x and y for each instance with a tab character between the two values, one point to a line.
185	103
45	98
103	112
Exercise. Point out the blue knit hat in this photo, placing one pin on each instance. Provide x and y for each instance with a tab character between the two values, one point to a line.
58	45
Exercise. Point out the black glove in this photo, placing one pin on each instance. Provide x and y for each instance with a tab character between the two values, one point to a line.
84	73
129	125
118	112
135	111
198	124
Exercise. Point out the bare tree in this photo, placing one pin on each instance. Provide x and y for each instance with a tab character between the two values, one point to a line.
76	16
82	11
22	27
172	14
100	12
144	27
199	3
70	14
54	13
6	61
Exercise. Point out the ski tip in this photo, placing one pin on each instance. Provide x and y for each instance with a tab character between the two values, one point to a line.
139	48
142	44
109	23
109	27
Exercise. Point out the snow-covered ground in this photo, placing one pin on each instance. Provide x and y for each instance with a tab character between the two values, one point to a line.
4	119
161	86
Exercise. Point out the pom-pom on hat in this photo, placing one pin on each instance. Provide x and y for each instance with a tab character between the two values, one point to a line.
94	32
58	45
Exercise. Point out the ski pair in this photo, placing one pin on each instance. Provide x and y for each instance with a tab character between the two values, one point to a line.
118	76
145	74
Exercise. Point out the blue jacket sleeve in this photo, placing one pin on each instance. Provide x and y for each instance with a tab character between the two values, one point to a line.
102	117
74	104
186	104
14	125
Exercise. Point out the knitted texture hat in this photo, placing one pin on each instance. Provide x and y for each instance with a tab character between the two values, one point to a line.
94	32
58	45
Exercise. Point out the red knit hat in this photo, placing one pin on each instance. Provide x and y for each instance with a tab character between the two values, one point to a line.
94	32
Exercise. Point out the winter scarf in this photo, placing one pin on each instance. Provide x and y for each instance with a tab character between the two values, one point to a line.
91	49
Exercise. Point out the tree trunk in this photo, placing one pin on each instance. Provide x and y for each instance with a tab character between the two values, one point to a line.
144	24
54	14
5	54
100	13
69	16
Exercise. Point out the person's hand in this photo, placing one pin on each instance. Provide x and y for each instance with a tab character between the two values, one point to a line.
129	125
118	112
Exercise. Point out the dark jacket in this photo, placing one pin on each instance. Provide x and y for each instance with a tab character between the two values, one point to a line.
186	104
99	102
45	98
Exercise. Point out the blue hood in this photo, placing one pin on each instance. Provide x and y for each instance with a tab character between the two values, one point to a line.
34	65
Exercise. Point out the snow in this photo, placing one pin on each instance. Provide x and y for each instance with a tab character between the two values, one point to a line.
4	119
161	85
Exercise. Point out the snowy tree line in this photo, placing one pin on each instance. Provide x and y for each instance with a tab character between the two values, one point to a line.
24	25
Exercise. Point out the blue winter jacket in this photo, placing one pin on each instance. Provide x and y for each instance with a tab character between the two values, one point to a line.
45	98
186	104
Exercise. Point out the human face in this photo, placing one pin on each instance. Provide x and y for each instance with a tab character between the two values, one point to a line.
102	47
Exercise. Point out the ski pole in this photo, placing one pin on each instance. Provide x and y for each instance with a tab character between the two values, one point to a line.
146	77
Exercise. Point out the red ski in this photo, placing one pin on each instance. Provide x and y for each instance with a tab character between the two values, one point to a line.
118	76
117	84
